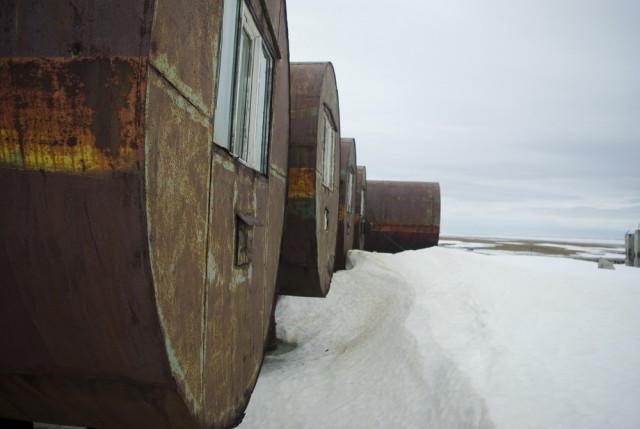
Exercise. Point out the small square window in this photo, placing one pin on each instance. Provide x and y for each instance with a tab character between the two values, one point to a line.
245	225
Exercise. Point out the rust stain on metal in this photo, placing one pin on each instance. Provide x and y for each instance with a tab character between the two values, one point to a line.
302	182
71	115
341	212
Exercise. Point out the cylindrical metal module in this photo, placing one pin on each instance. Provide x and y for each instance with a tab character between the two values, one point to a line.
403	215
309	240
139	228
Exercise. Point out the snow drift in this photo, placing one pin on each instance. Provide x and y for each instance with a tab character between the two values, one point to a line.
443	338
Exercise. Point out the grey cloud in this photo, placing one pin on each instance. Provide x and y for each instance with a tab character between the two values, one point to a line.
504	103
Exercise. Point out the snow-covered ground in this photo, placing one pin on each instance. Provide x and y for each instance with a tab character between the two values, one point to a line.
584	249
445	338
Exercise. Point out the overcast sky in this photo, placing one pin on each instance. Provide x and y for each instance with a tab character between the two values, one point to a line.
527	112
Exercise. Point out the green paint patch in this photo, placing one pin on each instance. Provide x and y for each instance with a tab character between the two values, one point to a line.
302	207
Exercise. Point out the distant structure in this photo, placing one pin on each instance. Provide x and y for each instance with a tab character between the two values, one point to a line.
632	248
311	227
403	215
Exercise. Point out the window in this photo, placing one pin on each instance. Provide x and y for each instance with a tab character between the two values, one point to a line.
243	105
245	225
326	219
349	191
244	242
328	150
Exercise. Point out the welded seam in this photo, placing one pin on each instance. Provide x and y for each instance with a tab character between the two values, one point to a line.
177	90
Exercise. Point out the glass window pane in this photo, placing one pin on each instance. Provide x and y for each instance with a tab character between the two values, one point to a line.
328	143
224	96
349	192
262	113
332	151
240	130
252	95
324	150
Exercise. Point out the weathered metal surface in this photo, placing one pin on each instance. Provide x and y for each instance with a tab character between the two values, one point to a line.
55	116
403	215
632	248
360	208
184	48
240	299
125	304
75	28
309	239
346	209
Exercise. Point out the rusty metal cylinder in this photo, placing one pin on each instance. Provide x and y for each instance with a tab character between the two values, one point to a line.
402	215
139	260
347	203
309	240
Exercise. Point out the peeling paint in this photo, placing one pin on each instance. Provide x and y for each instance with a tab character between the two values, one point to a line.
226	163
211	268
177	370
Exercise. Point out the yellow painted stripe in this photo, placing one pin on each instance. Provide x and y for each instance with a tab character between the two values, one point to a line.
302	182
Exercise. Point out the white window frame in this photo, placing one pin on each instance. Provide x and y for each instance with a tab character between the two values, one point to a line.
349	191
242	120
328	152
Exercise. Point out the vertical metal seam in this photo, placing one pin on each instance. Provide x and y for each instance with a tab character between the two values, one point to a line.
205	294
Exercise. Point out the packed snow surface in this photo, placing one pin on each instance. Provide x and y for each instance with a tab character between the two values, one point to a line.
443	338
